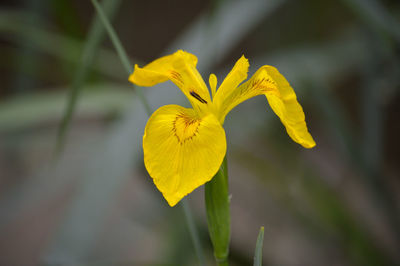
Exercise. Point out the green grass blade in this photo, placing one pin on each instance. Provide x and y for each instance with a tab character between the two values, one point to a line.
95	36
14	24
120	50
376	16
113	36
67	16
27	57
128	67
25	112
259	247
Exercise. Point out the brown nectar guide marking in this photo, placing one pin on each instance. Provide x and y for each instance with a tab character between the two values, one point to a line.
197	97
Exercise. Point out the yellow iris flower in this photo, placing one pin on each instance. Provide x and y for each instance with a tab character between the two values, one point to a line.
184	147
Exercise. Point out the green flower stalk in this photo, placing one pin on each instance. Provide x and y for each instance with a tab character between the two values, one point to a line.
218	213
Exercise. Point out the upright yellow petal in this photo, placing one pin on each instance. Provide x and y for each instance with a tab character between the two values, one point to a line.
231	81
180	68
281	97
181	150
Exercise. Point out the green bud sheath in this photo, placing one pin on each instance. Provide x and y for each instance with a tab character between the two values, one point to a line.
218	213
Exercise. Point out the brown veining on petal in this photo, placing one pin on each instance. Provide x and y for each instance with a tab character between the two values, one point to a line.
263	85
176	76
185	127
197	97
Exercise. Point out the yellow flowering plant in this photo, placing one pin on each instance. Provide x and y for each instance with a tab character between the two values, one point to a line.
185	147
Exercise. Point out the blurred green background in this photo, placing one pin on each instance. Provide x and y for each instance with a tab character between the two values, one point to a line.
73	188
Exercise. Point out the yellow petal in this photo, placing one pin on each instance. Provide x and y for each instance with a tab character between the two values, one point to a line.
180	68
286	106
281	97
181	150
232	80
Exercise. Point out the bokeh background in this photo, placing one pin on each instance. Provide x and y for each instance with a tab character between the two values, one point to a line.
77	193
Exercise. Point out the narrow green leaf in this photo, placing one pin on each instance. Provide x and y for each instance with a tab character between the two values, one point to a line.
120	50
193	232
14	24
95	36
27	57
376	16
28	110
128	67
67	16
259	247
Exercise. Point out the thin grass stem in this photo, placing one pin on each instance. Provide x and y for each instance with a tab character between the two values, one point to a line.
90	48
128	67
193	232
120	51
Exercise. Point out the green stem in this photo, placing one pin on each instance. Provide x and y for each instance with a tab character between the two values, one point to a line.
218	214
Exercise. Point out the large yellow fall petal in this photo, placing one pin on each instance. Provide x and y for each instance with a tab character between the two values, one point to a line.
281	97
180	68
181	150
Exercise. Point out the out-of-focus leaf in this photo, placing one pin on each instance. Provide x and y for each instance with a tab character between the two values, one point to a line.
193	232
94	37
230	23
367	158
32	109
329	215
27	56
334	214
376	15
123	56
99	183
67	16
16	23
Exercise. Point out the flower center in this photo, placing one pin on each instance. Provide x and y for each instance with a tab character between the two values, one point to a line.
185	127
